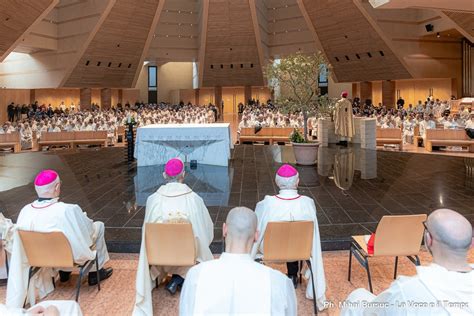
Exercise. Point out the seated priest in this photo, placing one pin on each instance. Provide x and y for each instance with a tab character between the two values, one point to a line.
288	205
235	284
444	287
174	201
48	214
46	308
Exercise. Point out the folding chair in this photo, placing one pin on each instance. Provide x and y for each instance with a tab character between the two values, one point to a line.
52	250
288	242
170	244
398	235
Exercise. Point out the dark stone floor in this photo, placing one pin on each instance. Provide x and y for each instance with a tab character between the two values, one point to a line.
353	188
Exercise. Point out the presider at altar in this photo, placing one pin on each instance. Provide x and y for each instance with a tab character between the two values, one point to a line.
172	201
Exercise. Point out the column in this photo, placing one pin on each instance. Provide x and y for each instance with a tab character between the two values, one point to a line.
365	91
105	98
119	97
85	98
388	94
247	93
218	100
32	96
196	96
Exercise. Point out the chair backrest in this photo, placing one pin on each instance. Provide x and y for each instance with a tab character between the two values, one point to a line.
288	241
395	133
48	250
57	136
10	138
247	131
282	131
121	130
170	244
446	134
399	235
86	135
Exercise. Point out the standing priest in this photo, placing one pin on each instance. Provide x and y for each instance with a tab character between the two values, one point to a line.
173	201
288	205
343	120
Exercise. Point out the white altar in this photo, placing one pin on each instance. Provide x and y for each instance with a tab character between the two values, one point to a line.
208	144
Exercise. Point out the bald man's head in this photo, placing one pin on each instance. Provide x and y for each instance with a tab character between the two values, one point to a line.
241	224
451	229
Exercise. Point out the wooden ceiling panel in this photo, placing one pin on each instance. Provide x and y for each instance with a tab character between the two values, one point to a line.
230	43
114	56
344	32
16	18
465	21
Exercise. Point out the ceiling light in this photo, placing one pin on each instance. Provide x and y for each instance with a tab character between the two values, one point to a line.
438	35
167	35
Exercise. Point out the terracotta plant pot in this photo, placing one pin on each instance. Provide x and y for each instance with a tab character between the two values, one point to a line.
305	153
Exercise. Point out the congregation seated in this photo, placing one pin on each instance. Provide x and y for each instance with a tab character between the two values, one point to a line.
235	284
288	205
48	214
172	202
445	287
45	308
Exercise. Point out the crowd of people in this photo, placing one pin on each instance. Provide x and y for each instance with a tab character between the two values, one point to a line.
235	284
34	119
430	114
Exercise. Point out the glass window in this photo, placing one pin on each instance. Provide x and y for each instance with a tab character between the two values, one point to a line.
152	76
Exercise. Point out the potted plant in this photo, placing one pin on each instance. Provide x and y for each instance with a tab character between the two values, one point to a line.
296	77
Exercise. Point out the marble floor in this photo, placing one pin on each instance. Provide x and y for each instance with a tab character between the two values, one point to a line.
352	188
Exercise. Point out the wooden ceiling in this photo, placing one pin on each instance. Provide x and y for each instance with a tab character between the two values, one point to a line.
16	18
354	48
465	21
115	54
231	52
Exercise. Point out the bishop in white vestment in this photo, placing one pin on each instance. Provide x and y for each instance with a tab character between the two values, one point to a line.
235	284
288	205
343	119
173	201
48	214
445	287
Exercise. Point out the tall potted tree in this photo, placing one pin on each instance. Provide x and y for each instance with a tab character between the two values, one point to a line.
296	77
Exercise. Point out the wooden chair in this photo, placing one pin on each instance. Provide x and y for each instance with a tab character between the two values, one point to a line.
170	244
389	136
288	242
398	235
52	250
448	137
11	140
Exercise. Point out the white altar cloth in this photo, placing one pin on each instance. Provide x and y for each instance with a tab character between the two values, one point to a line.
209	144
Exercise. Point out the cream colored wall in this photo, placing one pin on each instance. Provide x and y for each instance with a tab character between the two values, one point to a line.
174	76
260	93
335	88
131	96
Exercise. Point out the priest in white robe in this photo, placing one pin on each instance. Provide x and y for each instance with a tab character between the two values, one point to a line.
343	119
48	214
46	308
235	284
173	201
445	287
288	205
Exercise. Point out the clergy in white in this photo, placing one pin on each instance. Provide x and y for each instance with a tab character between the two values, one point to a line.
173	201
45	308
235	284
48	214
288	205
445	287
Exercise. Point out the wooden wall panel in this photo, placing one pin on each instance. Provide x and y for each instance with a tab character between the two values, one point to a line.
231	42
413	90
187	95
376	92
16	18
7	96
115	52
344	31
56	96
464	20
130	95
206	96
261	93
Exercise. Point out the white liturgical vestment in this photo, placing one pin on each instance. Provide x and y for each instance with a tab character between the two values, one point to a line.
234	284
49	216
433	291
171	201
288	205
66	308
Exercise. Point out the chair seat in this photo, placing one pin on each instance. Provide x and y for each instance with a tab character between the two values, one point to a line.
360	241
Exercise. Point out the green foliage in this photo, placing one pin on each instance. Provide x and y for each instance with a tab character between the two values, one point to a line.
296	137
